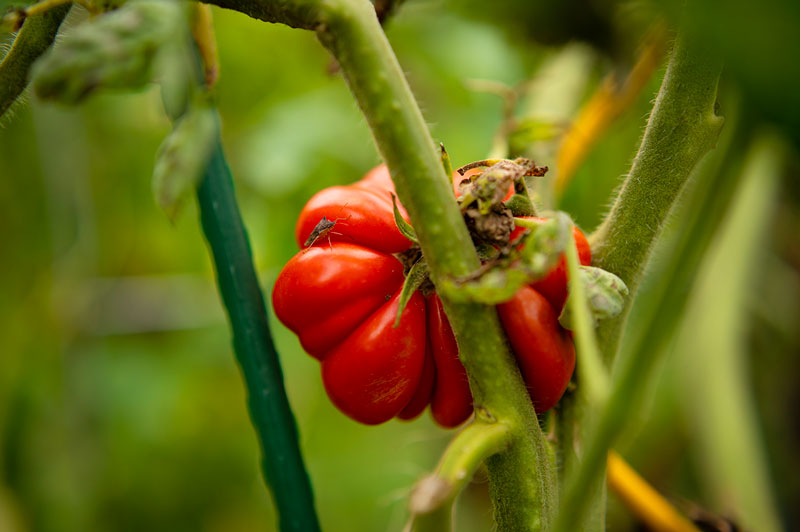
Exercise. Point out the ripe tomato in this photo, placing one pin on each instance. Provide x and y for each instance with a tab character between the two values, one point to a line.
544	350
340	295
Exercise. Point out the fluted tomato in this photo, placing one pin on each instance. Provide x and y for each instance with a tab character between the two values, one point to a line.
340	295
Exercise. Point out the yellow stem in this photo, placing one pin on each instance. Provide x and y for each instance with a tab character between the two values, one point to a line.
203	33
643	500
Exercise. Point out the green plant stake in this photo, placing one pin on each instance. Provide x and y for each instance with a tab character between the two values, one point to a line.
270	413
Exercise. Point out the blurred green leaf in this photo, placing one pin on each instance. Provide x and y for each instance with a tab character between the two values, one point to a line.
113	50
718	398
182	158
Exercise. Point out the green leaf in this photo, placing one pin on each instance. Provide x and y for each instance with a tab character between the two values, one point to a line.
417	275
402	224
183	157
605	293
114	50
535	130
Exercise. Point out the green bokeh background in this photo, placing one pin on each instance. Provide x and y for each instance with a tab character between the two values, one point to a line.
121	407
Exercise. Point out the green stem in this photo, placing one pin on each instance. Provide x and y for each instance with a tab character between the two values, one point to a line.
522	483
682	128
658	318
592	374
34	38
432	499
272	417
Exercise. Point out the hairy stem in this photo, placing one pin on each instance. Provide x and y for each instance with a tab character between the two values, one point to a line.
36	35
432	499
271	415
682	128
521	478
658	317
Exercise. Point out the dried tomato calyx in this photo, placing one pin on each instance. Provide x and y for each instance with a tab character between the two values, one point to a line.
491	199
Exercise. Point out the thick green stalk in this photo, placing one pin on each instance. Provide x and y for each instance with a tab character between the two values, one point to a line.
34	38
522	483
659	316
272	417
683	127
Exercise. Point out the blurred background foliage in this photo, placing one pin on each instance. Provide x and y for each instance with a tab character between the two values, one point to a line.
120	404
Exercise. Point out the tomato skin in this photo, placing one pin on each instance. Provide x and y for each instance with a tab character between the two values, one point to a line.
451	404
324	292
422	397
362	211
544	350
373	373
554	285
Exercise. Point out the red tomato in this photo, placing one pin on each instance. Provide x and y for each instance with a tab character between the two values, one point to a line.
340	296
373	373
544	350
451	404
325	292
362	212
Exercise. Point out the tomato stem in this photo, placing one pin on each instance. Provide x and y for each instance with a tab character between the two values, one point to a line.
521	478
432	498
688	89
683	127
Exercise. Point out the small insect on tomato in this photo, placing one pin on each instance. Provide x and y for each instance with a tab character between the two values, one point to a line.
322	229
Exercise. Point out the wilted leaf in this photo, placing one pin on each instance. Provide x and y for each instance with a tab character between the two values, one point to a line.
114	50
182	158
